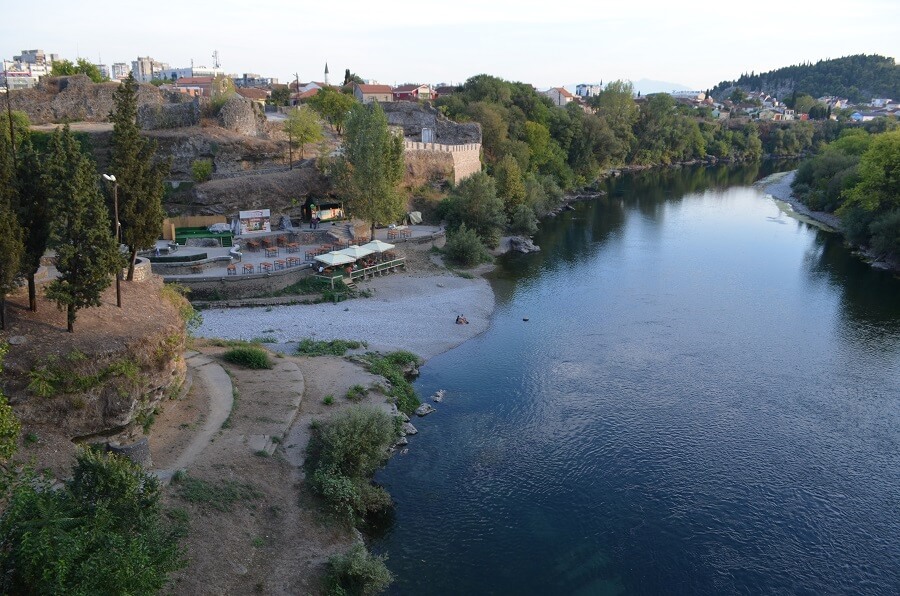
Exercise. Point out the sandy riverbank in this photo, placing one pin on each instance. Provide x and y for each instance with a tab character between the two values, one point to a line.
779	186
413	311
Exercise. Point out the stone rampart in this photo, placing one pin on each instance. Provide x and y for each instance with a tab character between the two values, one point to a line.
426	158
232	287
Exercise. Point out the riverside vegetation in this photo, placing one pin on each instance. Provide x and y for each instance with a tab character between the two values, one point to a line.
857	176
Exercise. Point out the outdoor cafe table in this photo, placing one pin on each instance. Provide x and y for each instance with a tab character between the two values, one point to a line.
248	268
279	264
292	247
265	266
253	245
293	261
271	251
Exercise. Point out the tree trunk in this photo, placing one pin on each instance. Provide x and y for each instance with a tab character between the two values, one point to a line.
131	261
32	294
372	232
70	318
2	313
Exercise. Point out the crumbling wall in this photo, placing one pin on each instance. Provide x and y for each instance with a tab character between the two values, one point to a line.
413	117
427	162
242	116
151	116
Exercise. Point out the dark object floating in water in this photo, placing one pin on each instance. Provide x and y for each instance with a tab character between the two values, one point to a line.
524	318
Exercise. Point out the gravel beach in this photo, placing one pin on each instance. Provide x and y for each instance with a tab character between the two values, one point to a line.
415	312
779	186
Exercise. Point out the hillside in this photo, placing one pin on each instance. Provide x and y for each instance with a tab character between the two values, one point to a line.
859	78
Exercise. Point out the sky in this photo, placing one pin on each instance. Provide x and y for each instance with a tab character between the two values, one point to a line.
544	43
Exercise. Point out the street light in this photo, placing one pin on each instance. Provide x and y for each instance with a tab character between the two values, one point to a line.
117	233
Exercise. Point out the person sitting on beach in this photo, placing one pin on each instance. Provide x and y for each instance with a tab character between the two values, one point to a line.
461	320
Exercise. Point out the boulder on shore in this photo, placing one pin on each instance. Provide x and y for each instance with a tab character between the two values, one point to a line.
523	245
409	429
424	410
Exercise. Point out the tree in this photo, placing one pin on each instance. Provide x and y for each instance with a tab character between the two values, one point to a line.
101	533
879	171
11	247
9	424
281	96
86	252
82	66
475	203
139	175
333	106
615	104
302	126
510	185
34	216
350	78
372	166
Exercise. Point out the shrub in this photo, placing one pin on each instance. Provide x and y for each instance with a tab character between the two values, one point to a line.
886	234
176	295
465	248
249	357
335	347
328	400
343	454
357	572
201	170
356	393
523	221
103	532
392	367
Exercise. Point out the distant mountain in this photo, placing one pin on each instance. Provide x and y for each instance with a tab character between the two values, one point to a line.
646	86
859	78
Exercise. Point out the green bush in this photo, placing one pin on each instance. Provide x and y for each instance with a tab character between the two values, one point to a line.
886	234
392	367
335	347
523	221
249	357
357	572
103	532
201	170
465	248
342	456
356	393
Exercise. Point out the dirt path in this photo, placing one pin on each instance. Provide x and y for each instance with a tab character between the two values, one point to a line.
210	380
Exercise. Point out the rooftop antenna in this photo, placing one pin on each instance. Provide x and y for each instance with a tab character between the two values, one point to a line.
215	57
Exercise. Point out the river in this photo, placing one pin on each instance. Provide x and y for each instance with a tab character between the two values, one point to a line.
705	399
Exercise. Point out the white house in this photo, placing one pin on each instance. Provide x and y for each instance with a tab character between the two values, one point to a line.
588	90
559	96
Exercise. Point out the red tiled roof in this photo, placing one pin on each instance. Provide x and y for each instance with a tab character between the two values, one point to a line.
406	88
306	94
255	94
564	92
374	88
194	81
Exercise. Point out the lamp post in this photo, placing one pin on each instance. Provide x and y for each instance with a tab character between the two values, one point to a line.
117	232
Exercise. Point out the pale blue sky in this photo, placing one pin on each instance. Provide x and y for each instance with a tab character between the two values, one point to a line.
540	42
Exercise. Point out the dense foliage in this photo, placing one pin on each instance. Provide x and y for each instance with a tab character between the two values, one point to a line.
858	177
9	424
80	66
86	253
858	78
342	456
249	357
139	175
573	145
358	572
103	532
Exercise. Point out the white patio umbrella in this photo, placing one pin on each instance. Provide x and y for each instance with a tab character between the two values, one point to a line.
334	258
355	251
378	246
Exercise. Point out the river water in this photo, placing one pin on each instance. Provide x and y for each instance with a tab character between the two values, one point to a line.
705	399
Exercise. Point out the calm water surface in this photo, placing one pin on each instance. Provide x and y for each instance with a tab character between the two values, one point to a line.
705	400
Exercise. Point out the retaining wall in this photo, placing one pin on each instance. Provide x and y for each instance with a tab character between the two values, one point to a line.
232	287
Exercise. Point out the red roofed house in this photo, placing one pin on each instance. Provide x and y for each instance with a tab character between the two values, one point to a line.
559	96
203	84
296	98
412	92
256	95
444	90
370	93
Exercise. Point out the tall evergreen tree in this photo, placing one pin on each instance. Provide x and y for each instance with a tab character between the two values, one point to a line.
86	252
34	216
139	175
10	231
372	166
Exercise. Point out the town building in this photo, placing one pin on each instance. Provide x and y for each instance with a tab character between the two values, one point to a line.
145	69
369	93
586	90
120	71
252	80
26	69
412	92
442	90
560	96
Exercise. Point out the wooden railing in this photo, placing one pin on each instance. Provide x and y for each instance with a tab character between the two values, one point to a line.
365	272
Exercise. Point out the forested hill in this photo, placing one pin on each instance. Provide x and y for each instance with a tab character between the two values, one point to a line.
859	78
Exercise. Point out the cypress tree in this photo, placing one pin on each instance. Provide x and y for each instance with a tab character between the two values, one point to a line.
10	231
86	252
34	216
139	175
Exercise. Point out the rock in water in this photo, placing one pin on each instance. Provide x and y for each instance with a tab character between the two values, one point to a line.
523	245
409	429
424	410
438	395
402	442
403	417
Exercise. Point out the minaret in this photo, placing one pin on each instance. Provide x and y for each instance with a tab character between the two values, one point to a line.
326	73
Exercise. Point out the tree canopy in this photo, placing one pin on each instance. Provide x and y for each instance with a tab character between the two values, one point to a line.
303	127
81	66
371	168
333	106
139	175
